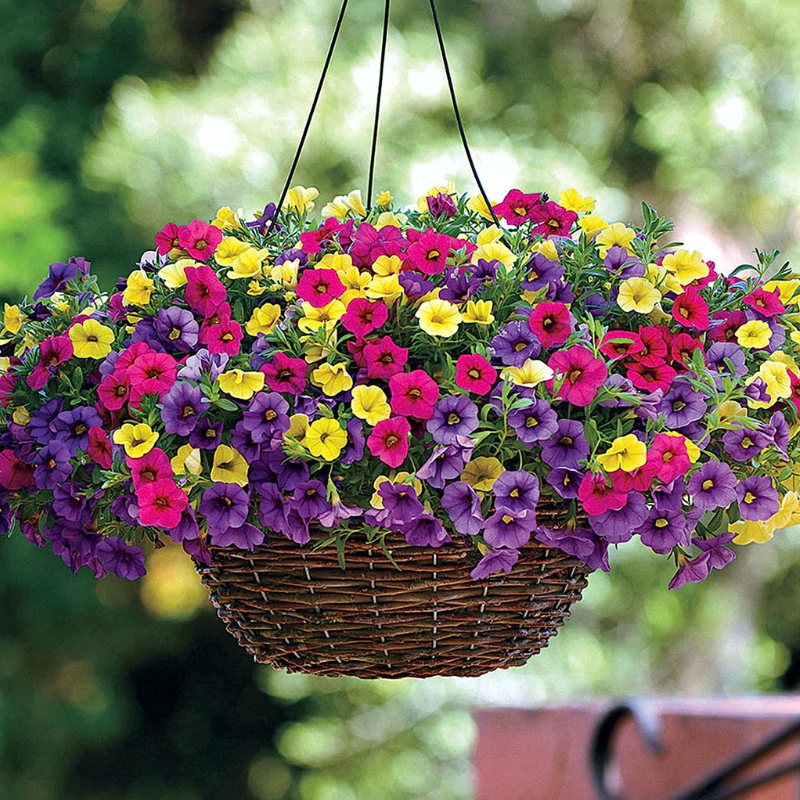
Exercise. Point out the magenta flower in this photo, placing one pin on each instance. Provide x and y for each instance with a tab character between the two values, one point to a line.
550	219
167	239
384	358
223	337
414	394
550	322
199	239
161	503
363	316
429	253
52	352
764	303
475	374
152	373
99	447
319	286
389	441
150	468
517	207
583	374
598	495
285	374
205	292
690	310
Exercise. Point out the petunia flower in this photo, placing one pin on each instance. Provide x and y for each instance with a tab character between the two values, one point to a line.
516	491
617	526
181	409
515	343
384	358
161	503
199	239
550	219
533	423
689	309
598	495
428	254
506	528
550	322
454	415
495	561
475	374
413	394
150	468
664	530
325	439
462	505
758	498
712	486
204	293
668	456
285	374
517	207
389	441
439	318
583	374
764	303
53	352
318	287
364	316
125	560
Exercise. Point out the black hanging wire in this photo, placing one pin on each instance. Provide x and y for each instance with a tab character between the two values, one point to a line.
328	58
370	184
458	113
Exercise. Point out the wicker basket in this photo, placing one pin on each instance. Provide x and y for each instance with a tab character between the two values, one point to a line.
295	608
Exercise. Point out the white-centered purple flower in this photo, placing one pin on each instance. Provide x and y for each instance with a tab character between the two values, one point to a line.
453	415
534	423
712	486
463	506
203	363
758	498
567	447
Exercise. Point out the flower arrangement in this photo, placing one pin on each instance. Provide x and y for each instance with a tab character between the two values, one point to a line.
422	371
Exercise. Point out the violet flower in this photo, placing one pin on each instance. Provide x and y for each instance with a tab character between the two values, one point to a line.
712	486
495	561
567	447
463	506
758	498
453	415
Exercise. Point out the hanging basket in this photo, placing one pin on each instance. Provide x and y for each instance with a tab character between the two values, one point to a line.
296	609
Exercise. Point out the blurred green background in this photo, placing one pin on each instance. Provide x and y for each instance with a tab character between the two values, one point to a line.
117	116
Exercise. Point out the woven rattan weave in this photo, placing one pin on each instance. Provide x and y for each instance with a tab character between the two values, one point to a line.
295	608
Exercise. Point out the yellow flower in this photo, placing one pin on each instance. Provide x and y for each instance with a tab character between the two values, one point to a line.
335	208
530	374
591	225
369	403
301	199
226	218
489	235
354	203
616	235
298	427
748	532
384	199
263	319
174	275
787	513
754	334
573	201
639	295
229	249
139	288
482	472
478	205
786	289
478	312
12	319
385	287
776	376
249	264
138	440
663	280
728	410
21	416
495	251
390	218
187	461
325	439
315	350
547	248
626	453
332	379
385	266
687	266
241	385
285	274
785	358
255	289
354	281
90	339
438	318
315	318
229	466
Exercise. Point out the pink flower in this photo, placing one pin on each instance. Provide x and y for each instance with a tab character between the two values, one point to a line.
199	239
205	292
598	495
363	317
221	334
52	352
764	303
114	390
682	347
516	208
550	219
414	394
152	373
161	503
7	383
639	480
127	357
369	244
285	374
620	349
384	358
725	325
99	448
550	322
319	286
475	374
667	455
167	239
649	379
429	252
316	241
152	467
690	310
14	472
583	374
389	441
654	347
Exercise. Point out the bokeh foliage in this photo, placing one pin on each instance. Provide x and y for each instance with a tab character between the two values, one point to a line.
117	116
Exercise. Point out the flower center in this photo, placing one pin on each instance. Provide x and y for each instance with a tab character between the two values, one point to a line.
567	441
270	414
187	411
391	440
573	376
747	442
678	405
474	373
415	393
174	334
284	374
433	255
521	211
200	244
531	422
91	338
661	523
211	434
514	492
121	391
161	502
226	501
453	419
708	485
519	346
750	498
79	429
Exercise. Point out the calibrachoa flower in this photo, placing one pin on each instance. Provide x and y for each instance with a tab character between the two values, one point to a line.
243	379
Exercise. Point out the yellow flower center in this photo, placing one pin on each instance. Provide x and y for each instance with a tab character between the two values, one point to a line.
708	485
750	498
661	523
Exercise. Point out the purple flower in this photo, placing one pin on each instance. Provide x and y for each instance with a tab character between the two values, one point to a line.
273	507
52	465
400	501
126	508
691	570
70	502
743	444
310	499
224	505
198	550
567	446
539	272
718	354
72	427
485	271
517	491
337	513
187	529
177	329
565	481
459	287
508	529
712	486
242	440
515	344
125	560
261	223
681	405
534	423
182	407
207	435
445	464
424	531
560	292
777	431
354	451
266	416
583	543
245	537
719	554
757	391
758	498
495	561
441	205
60	275
203	363
453	415
463	507
73	543
618	526
663	530
414	284
42	425
669	496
